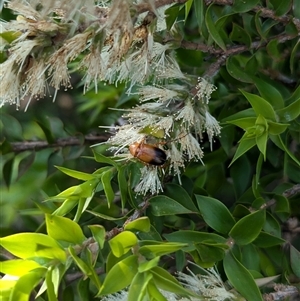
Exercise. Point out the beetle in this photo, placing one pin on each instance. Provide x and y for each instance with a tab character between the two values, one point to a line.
148	153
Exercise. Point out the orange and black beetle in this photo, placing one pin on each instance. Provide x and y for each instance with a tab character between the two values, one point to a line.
148	153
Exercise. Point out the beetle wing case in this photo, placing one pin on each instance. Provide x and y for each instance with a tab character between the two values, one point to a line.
148	153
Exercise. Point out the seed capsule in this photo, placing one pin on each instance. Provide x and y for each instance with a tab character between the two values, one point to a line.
148	153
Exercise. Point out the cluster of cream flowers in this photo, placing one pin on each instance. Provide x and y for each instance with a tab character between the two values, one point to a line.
112	41
171	118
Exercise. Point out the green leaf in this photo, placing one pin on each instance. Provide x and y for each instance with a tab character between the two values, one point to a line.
99	234
106	217
275	128
244	145
162	205
192	237
273	48
199	11
11	129
215	214
25	284
295	260
66	206
236	71
82	289
122	180
165	281
290	112
62	228
282	204
109	193
281	7
241	278
50	287
240	35
138	287
266	240
260	106
122	243
248	228
139	224
124	271
76	174
18	267
151	251
26	245
211	26
241	175
180	195
242	6
210	253
102	159
154	292
261	142
187	7
240	115
294	56
244	123
86	268
8	170
269	93
45	124
149	264
279	143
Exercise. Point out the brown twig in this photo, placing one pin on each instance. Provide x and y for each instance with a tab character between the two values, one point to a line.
233	50
288	194
62	142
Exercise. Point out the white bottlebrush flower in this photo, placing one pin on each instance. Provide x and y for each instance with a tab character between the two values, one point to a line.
21	50
59	60
120	29
166	124
93	65
36	83
164	64
136	67
161	94
176	159
140	118
10	83
150	181
187	114
125	136
209	286
204	90
191	148
212	127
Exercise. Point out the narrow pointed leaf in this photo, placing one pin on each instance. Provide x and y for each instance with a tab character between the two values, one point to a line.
241	278
211	26
75	174
260	106
215	214
248	228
